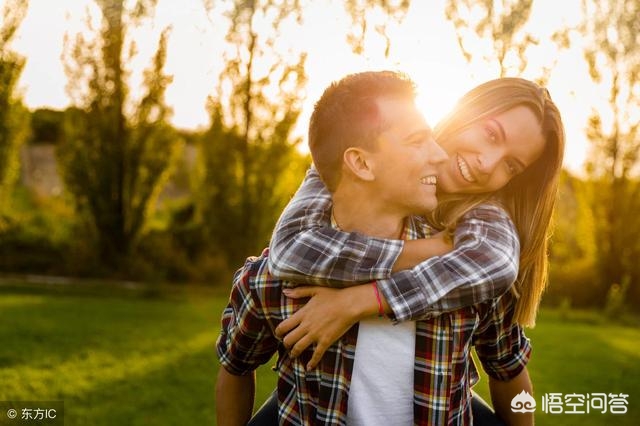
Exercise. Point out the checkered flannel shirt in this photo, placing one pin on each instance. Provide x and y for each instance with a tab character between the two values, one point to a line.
483	265
443	368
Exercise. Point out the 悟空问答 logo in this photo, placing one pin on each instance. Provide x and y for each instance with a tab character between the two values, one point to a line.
523	403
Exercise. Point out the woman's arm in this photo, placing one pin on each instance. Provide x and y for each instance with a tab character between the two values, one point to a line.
483	265
305	249
417	251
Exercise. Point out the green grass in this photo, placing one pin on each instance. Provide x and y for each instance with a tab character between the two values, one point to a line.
146	356
581	353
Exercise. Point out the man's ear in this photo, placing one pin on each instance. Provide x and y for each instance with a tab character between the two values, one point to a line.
359	162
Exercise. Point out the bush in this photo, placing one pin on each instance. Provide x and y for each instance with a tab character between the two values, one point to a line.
182	256
24	251
575	283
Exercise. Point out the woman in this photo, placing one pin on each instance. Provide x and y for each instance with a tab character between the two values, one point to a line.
495	159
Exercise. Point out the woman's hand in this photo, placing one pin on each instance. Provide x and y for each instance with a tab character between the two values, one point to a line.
327	315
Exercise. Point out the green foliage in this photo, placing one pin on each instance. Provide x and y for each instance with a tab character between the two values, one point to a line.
47	126
612	52
36	235
614	304
573	247
180	254
14	119
245	157
362	13
501	23
117	153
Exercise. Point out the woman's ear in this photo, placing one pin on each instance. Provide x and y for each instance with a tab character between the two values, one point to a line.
360	163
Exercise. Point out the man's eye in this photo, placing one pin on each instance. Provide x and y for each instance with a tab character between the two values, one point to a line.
491	134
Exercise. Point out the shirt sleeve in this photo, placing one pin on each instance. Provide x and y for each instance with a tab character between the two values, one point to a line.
483	265
501	345
246	341
305	248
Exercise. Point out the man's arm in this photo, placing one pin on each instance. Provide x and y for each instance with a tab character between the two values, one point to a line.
246	341
502	392
234	398
504	351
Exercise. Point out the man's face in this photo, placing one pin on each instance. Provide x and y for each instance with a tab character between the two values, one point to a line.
407	159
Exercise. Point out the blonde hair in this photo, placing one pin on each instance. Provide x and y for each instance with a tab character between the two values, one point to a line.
529	197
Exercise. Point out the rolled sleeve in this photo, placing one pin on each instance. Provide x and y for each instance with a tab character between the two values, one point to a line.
502	347
306	249
246	340
483	265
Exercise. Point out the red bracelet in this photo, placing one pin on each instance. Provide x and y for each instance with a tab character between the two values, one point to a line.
380	308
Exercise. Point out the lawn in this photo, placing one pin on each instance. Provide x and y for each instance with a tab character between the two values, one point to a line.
132	355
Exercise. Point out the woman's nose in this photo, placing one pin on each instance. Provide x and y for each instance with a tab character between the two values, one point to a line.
488	161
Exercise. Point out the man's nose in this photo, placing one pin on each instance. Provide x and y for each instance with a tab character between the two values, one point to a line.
435	152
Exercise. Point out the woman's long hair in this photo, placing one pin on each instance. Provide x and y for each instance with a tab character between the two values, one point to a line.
529	197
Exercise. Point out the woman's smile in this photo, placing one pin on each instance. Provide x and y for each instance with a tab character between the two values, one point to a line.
463	166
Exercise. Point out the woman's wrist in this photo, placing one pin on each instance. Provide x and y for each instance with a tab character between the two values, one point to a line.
364	303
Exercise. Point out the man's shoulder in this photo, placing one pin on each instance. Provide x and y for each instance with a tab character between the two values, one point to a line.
254	270
255	276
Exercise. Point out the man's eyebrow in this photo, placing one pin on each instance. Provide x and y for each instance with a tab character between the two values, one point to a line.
424	132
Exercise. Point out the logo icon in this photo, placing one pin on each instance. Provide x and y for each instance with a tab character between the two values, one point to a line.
523	403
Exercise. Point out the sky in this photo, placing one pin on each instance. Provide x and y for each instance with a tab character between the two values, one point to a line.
424	46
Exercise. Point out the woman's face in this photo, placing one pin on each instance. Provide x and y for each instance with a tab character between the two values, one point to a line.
485	156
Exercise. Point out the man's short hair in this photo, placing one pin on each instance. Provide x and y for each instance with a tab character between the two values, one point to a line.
347	115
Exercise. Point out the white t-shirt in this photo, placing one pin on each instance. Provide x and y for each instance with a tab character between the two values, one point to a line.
381	391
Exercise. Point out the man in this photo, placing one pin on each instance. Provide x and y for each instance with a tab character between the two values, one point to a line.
377	156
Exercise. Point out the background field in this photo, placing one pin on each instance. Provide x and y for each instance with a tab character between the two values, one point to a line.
141	355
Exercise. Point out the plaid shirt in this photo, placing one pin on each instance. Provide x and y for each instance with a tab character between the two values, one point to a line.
443	368
484	264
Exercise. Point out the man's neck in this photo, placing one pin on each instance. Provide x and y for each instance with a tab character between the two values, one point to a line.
359	211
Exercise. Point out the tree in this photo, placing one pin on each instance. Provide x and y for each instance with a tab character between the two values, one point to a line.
573	249
380	12
249	162
495	27
248	151
14	118
46	126
612	33
118	151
